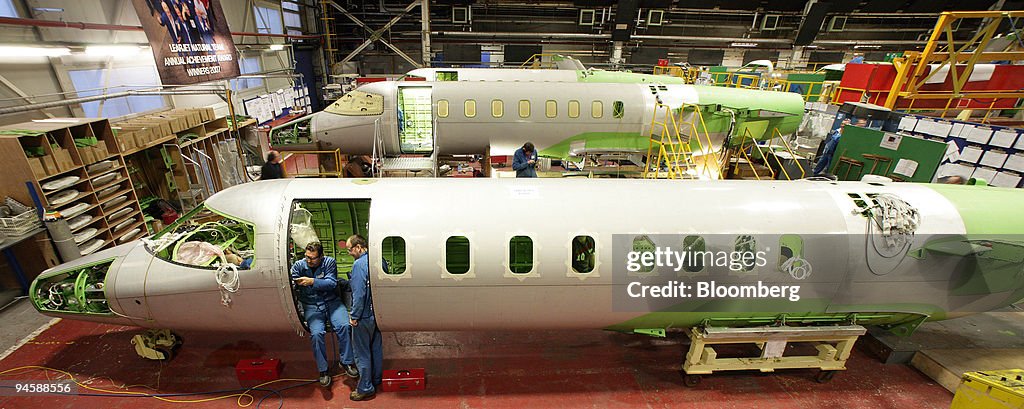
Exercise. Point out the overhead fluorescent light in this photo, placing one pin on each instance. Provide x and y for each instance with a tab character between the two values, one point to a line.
276	47
48	9
113	50
867	46
810	46
743	44
18	51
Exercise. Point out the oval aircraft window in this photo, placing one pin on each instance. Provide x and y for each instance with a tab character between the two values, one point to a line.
574	109
442	108
597	109
695	249
551	109
456	259
520	254
393	251
583	253
497	108
524	109
470	108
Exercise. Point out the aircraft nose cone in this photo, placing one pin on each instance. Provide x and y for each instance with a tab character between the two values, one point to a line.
78	287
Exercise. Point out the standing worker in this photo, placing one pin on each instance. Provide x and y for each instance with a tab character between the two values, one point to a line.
272	168
366	339
524	161
831	142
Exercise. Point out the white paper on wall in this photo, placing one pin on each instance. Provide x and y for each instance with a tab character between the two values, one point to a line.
891	141
1015	162
1006	179
955	169
952	152
934	128
957	130
907	123
984	173
1004	138
978	134
970	154
994	159
905	167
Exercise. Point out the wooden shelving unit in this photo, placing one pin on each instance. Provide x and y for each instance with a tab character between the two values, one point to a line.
144	155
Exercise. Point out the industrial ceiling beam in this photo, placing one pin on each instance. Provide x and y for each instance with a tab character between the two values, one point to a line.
7	83
377	35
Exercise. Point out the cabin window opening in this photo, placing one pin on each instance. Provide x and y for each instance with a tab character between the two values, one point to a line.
205	238
791	252
447	75
442	108
745	245
456	260
696	248
583	254
597	109
574	109
520	254
497	108
524	108
470	108
551	109
392	249
643	245
618	109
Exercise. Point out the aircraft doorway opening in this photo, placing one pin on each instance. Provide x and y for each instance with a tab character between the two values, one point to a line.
329	222
415	120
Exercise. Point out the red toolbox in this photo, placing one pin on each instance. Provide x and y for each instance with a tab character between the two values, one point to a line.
398	380
258	369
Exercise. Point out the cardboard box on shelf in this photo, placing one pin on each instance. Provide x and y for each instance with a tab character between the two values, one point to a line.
160	127
86	155
176	122
38	169
49	164
141	136
125	140
102	151
206	114
62	159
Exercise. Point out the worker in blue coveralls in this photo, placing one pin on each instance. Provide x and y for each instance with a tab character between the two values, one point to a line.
524	161
316	278
366	338
831	142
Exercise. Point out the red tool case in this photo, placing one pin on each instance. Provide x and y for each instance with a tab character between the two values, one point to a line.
398	380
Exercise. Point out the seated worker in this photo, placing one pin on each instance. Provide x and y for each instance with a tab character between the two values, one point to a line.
583	254
316	278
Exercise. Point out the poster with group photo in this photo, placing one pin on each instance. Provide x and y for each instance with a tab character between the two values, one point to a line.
190	39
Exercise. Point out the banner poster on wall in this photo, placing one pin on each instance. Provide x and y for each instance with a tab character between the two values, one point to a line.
190	39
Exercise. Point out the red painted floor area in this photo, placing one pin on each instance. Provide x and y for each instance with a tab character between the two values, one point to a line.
540	369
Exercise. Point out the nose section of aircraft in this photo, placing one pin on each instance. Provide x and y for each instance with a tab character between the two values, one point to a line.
78	288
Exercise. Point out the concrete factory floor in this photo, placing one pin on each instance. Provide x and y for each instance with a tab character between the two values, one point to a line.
536	369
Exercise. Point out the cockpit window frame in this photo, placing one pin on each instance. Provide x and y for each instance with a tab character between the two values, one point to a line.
188	216
337	107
